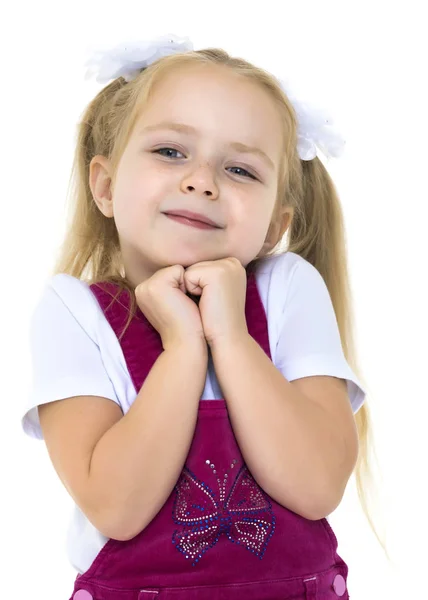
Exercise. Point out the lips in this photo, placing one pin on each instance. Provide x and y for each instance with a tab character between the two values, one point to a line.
193	217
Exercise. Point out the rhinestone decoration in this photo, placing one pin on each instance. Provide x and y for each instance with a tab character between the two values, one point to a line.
240	510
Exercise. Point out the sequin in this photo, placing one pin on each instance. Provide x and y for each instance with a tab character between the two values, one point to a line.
243	513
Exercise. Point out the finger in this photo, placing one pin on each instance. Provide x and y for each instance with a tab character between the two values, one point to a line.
193	283
180	280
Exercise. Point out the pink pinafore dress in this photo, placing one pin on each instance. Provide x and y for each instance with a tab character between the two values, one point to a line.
219	536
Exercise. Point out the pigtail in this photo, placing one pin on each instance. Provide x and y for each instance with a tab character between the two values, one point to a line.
317	233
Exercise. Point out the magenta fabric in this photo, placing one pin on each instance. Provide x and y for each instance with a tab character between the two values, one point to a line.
219	536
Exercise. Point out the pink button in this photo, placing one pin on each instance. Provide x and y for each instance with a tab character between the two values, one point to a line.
83	595
339	585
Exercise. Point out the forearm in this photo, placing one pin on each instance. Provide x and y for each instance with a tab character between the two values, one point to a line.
137	462
288	441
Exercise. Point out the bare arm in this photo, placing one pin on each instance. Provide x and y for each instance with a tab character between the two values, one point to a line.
137	462
300	448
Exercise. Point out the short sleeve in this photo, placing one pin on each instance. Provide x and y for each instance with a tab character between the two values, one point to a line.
309	341
65	360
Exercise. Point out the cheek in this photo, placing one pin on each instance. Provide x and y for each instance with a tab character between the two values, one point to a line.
250	233
135	193
254	217
130	212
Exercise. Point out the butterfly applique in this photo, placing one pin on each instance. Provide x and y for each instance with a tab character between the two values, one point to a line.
245	516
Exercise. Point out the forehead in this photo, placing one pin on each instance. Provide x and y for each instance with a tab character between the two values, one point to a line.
217	102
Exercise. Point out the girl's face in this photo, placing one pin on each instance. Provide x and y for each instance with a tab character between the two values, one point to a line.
187	152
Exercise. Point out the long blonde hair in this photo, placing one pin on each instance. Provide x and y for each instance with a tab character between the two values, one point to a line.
91	250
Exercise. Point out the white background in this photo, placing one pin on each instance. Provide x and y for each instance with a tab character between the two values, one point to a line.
365	61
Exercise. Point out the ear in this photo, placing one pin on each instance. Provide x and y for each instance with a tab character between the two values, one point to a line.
99	182
279	226
286	216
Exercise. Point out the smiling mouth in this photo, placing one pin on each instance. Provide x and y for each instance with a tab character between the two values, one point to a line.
190	222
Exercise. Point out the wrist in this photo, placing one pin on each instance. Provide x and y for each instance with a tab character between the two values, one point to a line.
196	347
226	343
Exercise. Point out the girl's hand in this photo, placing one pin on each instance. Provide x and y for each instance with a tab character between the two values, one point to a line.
221	285
162	298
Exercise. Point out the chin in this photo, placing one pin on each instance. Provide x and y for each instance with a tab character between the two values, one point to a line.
187	259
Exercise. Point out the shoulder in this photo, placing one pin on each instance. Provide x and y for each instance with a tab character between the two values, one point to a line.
286	264
68	287
281	275
64	297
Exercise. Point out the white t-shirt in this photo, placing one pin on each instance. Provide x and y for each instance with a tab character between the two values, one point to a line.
75	352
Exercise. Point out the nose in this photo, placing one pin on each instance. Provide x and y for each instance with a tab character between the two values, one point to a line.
201	181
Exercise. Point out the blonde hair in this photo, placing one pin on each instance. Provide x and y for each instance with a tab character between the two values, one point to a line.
91	250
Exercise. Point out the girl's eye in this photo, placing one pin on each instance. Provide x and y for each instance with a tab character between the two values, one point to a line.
173	149
248	174
245	171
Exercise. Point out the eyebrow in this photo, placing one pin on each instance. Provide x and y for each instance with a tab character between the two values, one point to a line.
183	128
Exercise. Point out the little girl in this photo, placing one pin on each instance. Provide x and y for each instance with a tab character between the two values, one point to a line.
190	380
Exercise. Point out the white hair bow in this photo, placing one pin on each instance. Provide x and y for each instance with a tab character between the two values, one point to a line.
315	127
